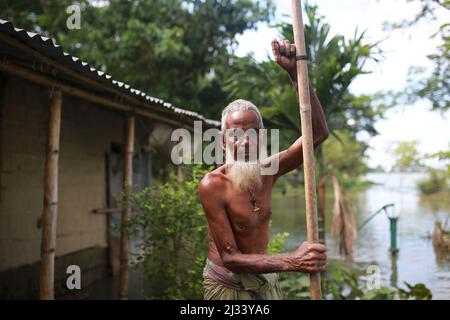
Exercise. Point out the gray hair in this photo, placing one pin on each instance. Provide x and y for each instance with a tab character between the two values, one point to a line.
238	105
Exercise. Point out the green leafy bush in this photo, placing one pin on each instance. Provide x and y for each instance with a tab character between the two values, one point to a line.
170	230
277	242
435	182
418	292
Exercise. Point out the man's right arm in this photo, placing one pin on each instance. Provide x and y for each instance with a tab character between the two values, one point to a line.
307	258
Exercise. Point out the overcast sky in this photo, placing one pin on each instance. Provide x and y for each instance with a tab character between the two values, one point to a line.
402	50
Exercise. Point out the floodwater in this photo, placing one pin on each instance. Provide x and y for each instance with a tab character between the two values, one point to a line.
416	261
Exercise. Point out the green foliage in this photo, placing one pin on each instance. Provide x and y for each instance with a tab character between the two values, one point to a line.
436	181
342	282
407	155
169	228
342	279
333	64
46	17
383	293
432	86
339	283
427	11
346	157
418	292
443	156
295	286
178	50
422	84
278	242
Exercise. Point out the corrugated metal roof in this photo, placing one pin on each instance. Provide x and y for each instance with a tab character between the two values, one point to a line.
47	47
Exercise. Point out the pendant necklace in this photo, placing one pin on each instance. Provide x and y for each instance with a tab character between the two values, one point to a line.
253	202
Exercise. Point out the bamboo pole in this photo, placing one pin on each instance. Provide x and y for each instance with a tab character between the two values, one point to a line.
127	186
307	139
49	217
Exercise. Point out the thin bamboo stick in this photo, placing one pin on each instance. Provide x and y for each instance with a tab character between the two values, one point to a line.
127	186
307	140
49	217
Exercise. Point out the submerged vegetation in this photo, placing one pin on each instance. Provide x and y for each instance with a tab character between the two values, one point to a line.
345	281
435	182
438	180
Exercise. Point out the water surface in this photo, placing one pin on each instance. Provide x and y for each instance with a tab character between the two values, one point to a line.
416	261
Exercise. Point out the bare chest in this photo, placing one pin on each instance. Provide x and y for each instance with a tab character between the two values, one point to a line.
247	213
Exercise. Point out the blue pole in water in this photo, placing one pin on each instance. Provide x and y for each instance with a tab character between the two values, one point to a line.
393	224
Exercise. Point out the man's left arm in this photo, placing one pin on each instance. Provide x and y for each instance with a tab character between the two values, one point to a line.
292	157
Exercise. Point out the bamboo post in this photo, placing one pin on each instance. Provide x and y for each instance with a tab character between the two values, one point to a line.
307	139
126	213
49	217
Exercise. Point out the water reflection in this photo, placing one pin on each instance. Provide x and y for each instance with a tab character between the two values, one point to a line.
416	261
394	270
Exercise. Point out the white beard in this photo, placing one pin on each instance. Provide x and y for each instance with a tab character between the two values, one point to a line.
244	175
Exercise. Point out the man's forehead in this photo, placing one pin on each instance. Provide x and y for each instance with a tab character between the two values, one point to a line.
243	118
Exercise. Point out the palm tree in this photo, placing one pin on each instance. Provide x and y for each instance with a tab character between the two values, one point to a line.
334	63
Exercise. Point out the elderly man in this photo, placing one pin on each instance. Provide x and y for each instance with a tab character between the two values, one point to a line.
236	199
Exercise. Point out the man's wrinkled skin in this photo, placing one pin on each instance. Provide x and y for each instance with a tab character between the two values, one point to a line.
238	237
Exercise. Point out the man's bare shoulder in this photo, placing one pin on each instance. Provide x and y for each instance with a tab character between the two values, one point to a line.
213	182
